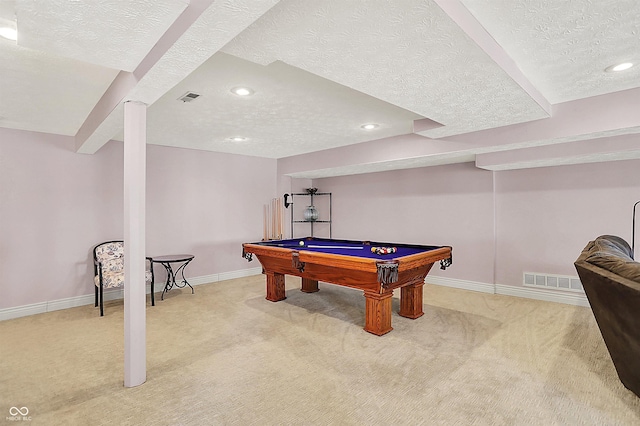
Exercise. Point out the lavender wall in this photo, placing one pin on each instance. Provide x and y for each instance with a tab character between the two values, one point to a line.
545	216
207	204
57	204
444	205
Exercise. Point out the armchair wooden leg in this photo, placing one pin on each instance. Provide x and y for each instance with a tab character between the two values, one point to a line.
96	287
153	279
101	302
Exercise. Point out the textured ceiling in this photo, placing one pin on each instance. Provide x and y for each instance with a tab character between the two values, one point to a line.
202	37
47	93
459	78
79	30
285	98
564	46
408	53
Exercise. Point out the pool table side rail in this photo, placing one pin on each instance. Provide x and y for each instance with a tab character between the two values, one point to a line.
431	256
350	262
292	242
357	263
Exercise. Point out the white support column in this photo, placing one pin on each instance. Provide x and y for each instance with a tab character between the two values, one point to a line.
135	144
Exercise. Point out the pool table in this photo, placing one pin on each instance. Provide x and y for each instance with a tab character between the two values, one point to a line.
352	264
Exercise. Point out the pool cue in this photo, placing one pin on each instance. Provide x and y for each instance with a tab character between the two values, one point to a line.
291	245
264	223
280	206
281	220
335	247
274	218
269	232
279	217
268	224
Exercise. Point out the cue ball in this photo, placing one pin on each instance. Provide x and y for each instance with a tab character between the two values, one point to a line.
301	243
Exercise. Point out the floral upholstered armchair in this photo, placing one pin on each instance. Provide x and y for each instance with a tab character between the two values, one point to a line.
108	268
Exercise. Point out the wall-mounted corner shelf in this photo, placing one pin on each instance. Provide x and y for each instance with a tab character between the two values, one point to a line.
311	193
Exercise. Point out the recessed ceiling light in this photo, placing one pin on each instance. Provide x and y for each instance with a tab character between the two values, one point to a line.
242	91
9	33
370	126
237	139
619	67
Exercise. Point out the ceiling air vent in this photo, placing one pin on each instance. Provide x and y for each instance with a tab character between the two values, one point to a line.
188	97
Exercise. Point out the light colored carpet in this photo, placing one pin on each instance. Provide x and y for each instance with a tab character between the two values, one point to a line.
227	356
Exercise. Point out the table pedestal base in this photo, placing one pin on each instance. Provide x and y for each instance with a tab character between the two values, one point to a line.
377	308
275	287
309	286
411	301
378	313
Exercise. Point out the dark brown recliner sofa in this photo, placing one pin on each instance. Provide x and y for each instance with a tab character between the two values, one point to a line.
611	280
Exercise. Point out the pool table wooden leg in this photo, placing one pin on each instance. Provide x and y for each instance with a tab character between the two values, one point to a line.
378	313
309	286
411	301
275	286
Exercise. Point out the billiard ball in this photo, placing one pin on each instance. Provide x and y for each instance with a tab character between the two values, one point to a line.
301	243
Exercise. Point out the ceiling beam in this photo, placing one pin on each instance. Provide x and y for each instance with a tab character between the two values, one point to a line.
198	33
589	118
86	142
474	29
603	118
623	147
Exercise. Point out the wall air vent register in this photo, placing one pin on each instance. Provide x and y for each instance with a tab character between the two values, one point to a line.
188	97
559	282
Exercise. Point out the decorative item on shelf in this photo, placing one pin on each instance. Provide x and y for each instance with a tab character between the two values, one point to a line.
311	214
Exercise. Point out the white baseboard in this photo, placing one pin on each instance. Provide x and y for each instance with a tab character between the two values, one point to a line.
23	311
89	299
222	276
462	284
576	299
509	290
